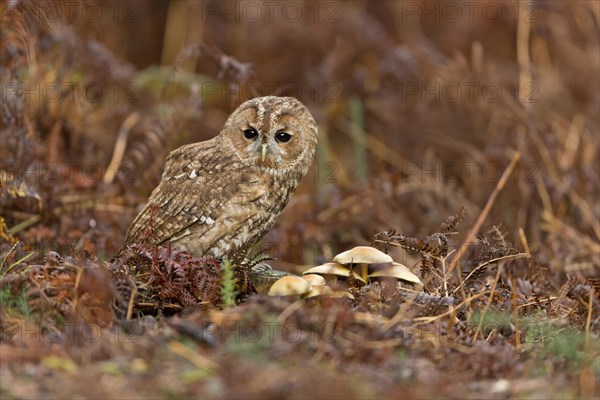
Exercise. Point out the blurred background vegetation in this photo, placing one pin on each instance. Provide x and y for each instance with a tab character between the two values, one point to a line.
421	106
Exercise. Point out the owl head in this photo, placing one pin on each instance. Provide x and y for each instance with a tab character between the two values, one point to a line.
274	133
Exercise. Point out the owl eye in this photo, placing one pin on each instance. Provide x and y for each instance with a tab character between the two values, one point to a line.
250	133
283	137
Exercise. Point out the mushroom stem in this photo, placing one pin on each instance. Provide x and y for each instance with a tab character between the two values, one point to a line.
364	270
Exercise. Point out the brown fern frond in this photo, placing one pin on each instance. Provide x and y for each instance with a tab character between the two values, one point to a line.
449	225
426	265
437	244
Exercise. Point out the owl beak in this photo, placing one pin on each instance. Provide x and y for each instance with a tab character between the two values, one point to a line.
264	151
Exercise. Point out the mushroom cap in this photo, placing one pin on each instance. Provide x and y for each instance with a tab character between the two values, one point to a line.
314	280
398	271
333	268
289	286
363	255
319	291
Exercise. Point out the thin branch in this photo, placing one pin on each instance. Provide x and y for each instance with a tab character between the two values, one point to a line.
515	256
484	213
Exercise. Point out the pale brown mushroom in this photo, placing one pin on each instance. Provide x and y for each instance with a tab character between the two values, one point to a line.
319	290
363	256
334	269
296	286
289	286
397	271
314	280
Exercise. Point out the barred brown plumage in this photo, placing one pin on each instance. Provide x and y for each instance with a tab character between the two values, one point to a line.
223	194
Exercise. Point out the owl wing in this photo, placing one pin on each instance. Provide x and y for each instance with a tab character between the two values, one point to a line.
198	181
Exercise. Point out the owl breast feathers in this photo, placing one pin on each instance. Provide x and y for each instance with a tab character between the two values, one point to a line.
224	194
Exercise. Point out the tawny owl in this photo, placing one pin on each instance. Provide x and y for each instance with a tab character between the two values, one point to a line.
222	195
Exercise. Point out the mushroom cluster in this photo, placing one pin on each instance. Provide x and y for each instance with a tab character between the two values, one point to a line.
363	263
306	287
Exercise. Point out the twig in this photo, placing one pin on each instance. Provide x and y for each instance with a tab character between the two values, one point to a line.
516	256
524	241
428	320
76	288
120	145
485	211
539	301
398	317
25	224
192	356
383	344
285	314
445	273
405	306
523	59
589	317
131	297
